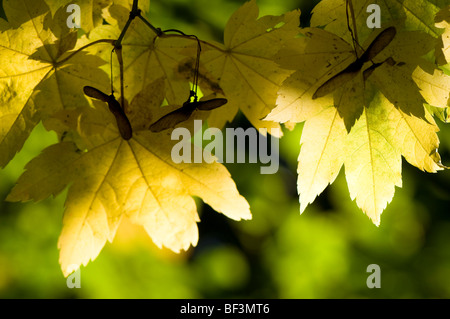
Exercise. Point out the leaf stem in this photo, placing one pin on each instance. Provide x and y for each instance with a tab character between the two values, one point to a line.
85	47
203	42
147	23
135	6
135	12
197	60
118	42
353	30
120	59
352	11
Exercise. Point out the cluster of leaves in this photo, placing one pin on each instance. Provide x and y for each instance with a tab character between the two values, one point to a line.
370	121
268	68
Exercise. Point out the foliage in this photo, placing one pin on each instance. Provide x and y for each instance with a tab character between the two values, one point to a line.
267	67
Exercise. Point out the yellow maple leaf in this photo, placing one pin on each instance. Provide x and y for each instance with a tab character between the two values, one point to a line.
238	69
363	106
36	80
116	178
248	75
435	88
373	162
406	14
316	56
321	158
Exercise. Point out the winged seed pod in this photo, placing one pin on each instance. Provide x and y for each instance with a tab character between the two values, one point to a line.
377	45
114	106
184	113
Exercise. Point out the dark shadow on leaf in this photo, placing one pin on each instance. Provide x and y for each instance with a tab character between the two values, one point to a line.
349	102
31	9
405	94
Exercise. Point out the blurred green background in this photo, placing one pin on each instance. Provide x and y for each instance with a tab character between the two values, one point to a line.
323	253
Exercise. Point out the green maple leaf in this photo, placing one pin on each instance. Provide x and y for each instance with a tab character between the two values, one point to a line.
36	80
374	115
116	179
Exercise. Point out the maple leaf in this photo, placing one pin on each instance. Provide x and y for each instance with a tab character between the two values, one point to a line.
313	56
116	179
238	69
435	87
146	57
404	14
248	75
36	80
377	111
321	156
252	81
434	84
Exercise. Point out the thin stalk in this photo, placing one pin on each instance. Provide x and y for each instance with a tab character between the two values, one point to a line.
122	93
197	60
135	12
85	47
352	11
118	43
147	23
135	6
163	35
353	30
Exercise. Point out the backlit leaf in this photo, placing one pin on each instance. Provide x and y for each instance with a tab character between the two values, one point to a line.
248	75
35	81
135	179
365	109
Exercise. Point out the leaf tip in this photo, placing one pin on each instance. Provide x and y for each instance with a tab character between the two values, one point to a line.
67	270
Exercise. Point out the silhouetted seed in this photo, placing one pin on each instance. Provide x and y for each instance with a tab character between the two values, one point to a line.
114	106
209	104
182	114
378	44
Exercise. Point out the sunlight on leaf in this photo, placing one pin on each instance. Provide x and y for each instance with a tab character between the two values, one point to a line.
33	82
377	111
248	75
117	178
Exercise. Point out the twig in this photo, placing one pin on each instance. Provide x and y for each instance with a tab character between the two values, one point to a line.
147	23
197	60
133	14
353	31
85	47
120	59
